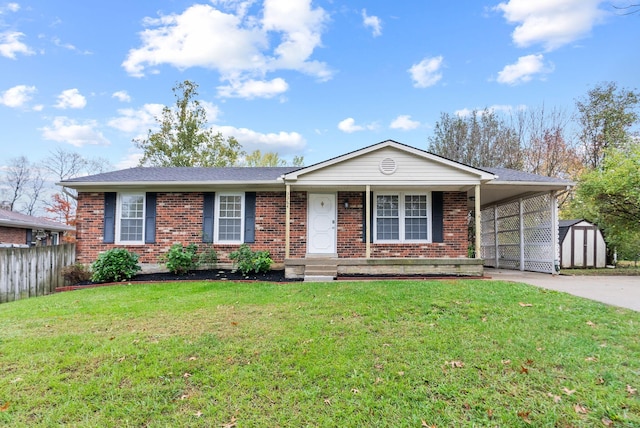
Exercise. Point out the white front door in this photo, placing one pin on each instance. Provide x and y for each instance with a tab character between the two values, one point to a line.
322	223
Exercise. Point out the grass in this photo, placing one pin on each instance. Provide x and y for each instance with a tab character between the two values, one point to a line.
622	269
348	354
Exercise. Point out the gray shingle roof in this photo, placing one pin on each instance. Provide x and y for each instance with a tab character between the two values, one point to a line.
506	174
186	174
23	221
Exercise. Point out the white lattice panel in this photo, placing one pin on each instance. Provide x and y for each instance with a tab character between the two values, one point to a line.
520	234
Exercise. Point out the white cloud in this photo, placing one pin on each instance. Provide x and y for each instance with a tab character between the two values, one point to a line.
551	23
281	142
65	130
71	98
254	88
524	70
10	45
129	161
404	123
240	47
504	108
137	121
122	96
372	22
10	7
17	96
427	72
349	126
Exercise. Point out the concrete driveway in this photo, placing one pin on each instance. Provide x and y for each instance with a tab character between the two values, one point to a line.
623	291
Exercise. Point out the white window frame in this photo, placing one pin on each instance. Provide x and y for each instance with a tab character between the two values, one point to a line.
216	216
119	218
401	217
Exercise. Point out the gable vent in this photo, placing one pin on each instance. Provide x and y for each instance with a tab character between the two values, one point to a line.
388	166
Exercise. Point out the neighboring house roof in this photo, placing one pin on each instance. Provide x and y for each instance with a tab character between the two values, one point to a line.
23	221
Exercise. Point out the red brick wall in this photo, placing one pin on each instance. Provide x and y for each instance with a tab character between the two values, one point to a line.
350	231
12	235
179	220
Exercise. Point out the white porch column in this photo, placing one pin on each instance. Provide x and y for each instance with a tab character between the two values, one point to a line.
478	223
287	231
554	232
367	221
521	217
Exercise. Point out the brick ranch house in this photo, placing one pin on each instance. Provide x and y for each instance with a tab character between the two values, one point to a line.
21	230
385	209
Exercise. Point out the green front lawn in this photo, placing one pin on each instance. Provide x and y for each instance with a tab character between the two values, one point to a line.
348	354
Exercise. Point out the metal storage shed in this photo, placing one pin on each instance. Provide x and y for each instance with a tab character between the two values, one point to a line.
581	245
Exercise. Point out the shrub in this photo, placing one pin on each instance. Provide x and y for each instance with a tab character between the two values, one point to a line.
75	274
208	256
181	259
246	260
116	264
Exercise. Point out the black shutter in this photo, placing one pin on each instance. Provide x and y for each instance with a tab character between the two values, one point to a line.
29	237
109	227
437	211
150	218
250	217
208	214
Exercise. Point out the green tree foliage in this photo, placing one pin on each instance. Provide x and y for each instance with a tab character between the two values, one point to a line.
183	138
610	197
481	139
605	117
257	158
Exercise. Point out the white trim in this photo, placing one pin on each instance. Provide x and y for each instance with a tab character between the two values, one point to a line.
402	217
119	218
216	217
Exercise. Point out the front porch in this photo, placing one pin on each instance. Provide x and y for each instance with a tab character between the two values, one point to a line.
328	268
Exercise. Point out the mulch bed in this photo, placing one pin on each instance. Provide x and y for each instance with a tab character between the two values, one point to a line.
196	275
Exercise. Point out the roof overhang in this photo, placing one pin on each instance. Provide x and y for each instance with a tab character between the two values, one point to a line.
35	225
499	191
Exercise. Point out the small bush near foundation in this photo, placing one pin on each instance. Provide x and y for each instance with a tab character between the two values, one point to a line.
208	256
116	264
75	274
181	259
246	260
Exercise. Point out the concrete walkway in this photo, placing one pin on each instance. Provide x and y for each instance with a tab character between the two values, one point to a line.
623	291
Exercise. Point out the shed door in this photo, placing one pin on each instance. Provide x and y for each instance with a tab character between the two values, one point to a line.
322	223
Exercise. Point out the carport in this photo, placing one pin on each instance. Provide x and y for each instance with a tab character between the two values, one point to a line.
519	221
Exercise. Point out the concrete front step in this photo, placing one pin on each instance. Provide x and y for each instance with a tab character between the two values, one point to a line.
318	278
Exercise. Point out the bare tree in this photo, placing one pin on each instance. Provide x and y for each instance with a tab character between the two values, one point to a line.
17	177
482	139
547	150
33	192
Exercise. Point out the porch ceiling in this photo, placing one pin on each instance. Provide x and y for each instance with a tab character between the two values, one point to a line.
491	193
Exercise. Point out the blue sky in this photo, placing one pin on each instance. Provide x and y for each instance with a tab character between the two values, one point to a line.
298	77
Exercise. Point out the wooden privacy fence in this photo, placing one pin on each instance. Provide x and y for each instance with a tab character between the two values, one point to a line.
35	271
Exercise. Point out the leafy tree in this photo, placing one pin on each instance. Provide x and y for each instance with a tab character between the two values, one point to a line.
257	158
479	139
63	210
610	197
183	138
605	116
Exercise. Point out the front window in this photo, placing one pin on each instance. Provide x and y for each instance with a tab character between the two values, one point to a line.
402	217
230	218
130	223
